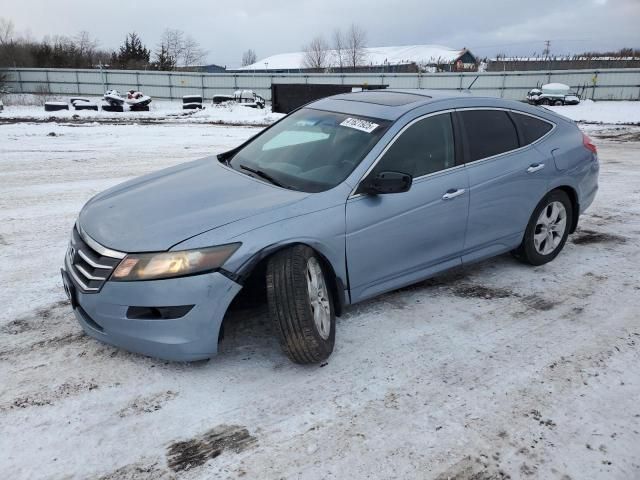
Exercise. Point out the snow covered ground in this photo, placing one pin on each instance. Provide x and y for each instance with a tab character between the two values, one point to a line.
25	108
494	370
621	112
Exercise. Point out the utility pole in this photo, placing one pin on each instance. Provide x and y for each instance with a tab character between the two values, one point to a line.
546	52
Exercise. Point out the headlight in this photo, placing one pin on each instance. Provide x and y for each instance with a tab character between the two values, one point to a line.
153	266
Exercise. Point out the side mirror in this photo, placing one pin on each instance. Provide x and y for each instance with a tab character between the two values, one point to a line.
386	182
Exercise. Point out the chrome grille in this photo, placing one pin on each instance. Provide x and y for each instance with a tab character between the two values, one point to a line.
89	264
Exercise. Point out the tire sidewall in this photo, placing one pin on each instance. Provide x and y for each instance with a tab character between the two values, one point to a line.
530	251
290	306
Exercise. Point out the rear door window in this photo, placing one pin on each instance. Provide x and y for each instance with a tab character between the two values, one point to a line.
531	128
488	133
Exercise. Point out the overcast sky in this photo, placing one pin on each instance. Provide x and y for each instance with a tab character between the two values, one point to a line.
226	29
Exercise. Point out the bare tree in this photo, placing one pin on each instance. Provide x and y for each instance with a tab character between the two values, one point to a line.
192	53
172	40
316	54
87	48
355	43
249	57
85	44
8	45
6	31
181	48
339	49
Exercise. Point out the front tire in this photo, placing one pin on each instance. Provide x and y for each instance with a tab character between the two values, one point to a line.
547	230
300	304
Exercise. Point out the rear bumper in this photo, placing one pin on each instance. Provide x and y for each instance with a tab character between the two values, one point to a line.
193	336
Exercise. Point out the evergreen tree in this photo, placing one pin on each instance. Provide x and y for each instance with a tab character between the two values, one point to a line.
133	55
164	61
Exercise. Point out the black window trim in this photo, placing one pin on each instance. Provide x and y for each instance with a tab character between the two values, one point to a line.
518	133
458	161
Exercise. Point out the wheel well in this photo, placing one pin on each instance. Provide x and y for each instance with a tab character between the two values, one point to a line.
253	279
573	196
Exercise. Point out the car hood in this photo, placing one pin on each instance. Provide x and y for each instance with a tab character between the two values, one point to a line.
157	211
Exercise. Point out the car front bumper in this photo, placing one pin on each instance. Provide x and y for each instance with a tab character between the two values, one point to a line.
194	336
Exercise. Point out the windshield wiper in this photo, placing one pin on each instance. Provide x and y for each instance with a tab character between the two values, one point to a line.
264	176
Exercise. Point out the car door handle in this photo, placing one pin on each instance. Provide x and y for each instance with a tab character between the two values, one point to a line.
453	193
534	167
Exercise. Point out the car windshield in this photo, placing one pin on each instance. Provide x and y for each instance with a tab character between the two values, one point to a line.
310	150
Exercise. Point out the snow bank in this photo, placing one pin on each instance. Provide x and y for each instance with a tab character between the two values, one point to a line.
622	112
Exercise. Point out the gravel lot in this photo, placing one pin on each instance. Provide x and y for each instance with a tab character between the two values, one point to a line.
489	372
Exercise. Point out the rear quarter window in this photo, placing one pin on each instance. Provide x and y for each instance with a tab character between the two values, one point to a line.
488	133
531	128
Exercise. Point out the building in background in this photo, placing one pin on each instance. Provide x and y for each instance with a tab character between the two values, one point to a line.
569	62
213	68
402	59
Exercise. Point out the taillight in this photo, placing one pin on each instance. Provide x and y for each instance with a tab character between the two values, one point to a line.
588	144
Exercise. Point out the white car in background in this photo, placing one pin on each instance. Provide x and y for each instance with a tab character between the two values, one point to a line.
553	94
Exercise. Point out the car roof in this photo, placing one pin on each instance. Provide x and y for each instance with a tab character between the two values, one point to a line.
388	104
391	104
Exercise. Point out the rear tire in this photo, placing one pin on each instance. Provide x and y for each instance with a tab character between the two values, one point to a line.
547	230
558	103
300	304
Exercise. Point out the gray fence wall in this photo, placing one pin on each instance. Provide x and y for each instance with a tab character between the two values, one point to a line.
611	84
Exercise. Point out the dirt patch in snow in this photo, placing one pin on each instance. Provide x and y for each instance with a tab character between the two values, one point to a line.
481	291
48	397
60	341
49	327
55	343
479	467
37	320
588	237
468	290
538	303
188	454
139	471
148	404
618	135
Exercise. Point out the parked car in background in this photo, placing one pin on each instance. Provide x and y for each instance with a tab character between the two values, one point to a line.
342	200
553	94
246	98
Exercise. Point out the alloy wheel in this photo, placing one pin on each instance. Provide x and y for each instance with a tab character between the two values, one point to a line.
550	228
319	298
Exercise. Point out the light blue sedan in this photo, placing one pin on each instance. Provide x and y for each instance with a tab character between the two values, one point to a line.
344	199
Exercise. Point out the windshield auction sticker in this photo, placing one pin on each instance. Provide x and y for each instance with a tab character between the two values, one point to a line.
359	124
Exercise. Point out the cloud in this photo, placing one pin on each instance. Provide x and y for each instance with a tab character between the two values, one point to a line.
278	26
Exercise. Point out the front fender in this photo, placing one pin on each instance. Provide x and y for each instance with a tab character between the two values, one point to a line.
323	230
